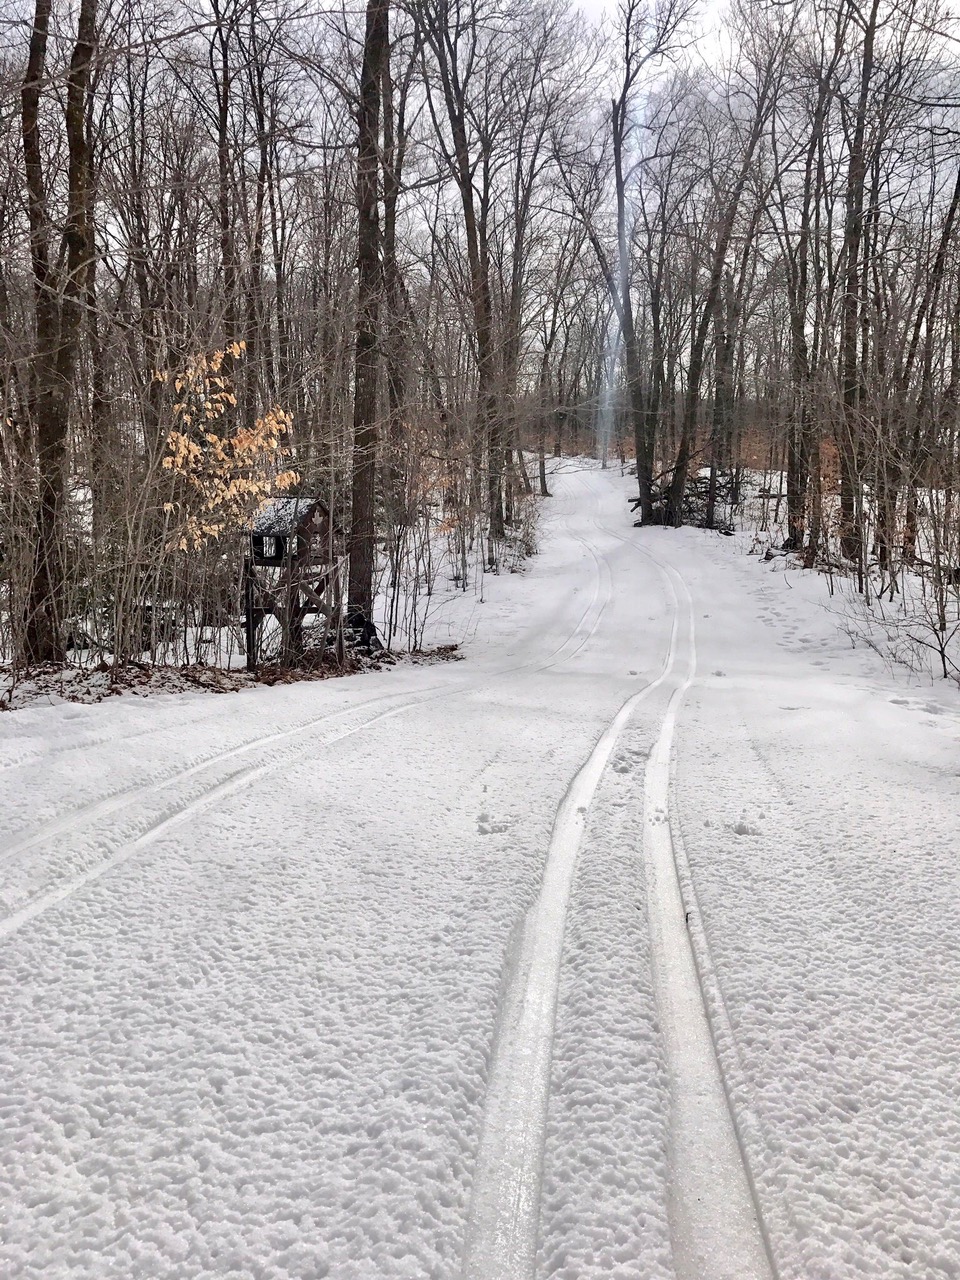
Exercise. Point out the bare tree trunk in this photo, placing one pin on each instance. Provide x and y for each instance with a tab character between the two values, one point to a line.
770	73
58	301
722	396
369	287
397	326
223	81
643	445
851	532
912	465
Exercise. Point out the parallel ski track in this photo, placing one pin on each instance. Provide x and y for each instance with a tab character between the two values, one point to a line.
180	811
501	1241
716	1226
88	743
714	1219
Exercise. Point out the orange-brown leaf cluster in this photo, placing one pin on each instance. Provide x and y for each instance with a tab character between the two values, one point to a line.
225	468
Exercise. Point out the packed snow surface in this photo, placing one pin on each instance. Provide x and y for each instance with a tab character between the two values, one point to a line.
273	965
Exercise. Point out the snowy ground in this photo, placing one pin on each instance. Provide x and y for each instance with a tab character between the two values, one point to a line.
389	976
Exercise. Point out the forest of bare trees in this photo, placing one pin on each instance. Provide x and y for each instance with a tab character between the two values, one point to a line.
397	256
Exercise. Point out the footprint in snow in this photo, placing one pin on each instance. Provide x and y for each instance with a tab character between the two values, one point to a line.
743	828
487	827
626	762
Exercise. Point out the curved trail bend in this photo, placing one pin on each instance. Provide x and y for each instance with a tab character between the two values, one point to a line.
179	808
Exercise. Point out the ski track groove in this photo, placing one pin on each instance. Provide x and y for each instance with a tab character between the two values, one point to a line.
169	820
743	1114
110	805
501	1241
119	801
746	1119
89	743
716	1227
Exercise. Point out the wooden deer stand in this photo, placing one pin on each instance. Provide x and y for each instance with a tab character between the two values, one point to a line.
292	570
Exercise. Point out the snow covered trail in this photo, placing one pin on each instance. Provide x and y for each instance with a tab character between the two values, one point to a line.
250	966
212	785
817	803
257	949
502	1235
715	1227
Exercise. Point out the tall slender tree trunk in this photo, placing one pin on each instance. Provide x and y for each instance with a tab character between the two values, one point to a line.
766	98
396	327
223	79
59	295
643	445
912	463
722	395
369	287
851	530
800	426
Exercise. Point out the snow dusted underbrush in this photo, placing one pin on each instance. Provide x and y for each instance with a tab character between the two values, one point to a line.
912	620
86	685
428	603
76	684
91	685
915	629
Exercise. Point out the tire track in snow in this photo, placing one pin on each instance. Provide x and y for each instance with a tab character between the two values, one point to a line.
777	1219
117	803
715	1226
227	786
169	820
583	631
85	744
716	1230
501	1242
106	807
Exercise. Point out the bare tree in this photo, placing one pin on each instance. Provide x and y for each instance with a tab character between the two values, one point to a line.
60	276
370	286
